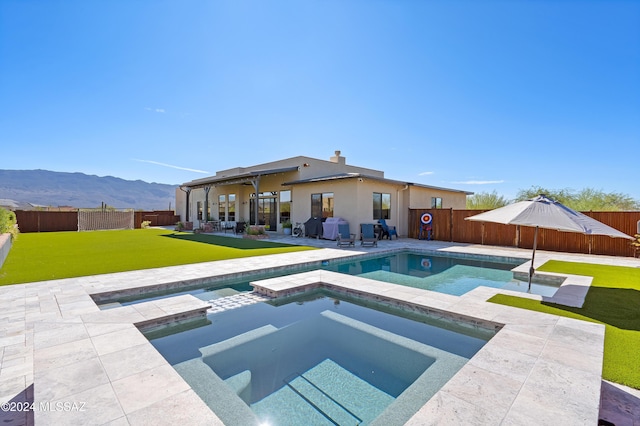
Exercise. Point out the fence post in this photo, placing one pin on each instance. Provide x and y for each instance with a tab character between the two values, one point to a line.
451	224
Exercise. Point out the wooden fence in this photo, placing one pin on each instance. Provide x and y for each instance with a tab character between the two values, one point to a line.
47	221
449	225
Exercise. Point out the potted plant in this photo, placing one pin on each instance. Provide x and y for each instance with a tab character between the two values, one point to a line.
179	226
286	227
636	244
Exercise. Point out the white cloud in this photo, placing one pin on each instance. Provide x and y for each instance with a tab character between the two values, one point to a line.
160	110
478	182
425	173
173	167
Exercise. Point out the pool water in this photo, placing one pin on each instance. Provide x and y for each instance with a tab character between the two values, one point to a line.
443	274
319	360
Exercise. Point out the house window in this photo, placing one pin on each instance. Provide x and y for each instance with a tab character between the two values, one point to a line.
381	206
199	209
232	207
285	206
221	207
322	205
436	202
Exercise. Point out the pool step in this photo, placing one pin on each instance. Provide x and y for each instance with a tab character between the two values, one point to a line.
236	301
321	401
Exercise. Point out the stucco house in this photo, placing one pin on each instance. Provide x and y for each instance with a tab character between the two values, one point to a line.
299	188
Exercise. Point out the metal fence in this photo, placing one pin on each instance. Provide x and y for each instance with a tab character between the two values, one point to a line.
449	225
47	221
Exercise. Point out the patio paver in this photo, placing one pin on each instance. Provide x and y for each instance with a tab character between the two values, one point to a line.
54	337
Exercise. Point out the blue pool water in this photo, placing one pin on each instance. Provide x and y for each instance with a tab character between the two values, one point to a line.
318	360
445	274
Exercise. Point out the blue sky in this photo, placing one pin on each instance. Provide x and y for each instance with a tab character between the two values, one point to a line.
474	95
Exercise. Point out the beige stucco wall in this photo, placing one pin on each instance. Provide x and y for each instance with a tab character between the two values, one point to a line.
421	198
345	196
353	201
352	197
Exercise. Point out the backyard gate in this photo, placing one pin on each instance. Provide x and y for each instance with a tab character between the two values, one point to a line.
92	219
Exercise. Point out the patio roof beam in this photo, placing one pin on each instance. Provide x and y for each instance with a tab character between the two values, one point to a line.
256	203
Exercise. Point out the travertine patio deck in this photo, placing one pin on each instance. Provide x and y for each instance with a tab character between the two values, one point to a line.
57	346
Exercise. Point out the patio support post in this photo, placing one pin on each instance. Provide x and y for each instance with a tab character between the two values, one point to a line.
187	191
256	188
206	203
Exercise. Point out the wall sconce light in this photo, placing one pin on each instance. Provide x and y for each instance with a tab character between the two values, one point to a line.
305	165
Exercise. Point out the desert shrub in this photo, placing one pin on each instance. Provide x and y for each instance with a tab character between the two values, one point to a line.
255	230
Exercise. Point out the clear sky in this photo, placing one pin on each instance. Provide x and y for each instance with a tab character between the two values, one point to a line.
474	95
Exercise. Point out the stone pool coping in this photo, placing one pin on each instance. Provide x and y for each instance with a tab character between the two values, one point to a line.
57	346
520	376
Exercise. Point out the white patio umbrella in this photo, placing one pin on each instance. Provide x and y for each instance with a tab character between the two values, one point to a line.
543	212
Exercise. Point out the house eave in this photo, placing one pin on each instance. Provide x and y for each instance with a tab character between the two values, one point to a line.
346	176
242	178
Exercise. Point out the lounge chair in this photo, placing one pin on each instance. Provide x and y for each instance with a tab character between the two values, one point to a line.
387	230
368	236
345	238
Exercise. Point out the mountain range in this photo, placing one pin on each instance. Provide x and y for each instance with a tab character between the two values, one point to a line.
32	188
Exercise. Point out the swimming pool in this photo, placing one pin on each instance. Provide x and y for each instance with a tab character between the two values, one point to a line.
319	360
449	274
454	275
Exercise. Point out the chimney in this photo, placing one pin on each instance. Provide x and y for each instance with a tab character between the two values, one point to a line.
338	159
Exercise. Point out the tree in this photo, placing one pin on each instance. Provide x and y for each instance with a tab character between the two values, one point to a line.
591	199
486	201
563	196
584	200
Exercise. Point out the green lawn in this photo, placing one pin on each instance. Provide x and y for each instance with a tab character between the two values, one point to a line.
54	255
612	300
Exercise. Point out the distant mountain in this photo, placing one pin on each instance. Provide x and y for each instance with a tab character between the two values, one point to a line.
47	188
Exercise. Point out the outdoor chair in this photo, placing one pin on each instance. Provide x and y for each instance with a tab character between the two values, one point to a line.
387	230
368	236
228	226
345	238
240	227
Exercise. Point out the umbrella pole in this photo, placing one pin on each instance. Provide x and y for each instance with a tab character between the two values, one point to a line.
533	256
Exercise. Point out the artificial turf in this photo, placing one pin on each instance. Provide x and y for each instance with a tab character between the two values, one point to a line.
612	300
55	255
